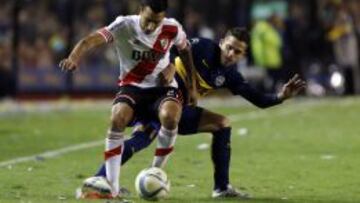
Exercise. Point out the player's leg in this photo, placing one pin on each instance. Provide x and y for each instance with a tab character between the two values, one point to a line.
121	115
95	187
220	128
142	137
127	100
145	134
169	116
196	119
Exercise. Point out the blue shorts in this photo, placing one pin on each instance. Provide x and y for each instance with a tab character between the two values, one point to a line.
190	119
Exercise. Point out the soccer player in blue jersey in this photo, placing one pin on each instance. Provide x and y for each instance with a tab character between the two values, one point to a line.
215	65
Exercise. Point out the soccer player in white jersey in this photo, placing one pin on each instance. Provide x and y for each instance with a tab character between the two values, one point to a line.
142	44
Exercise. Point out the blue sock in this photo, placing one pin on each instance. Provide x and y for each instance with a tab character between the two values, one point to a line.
139	140
220	154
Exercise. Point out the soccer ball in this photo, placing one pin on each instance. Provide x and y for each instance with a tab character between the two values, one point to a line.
152	184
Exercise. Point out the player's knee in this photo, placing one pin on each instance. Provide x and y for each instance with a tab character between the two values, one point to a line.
169	115
222	123
121	115
169	119
118	121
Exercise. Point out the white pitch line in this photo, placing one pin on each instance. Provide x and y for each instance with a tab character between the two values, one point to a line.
51	154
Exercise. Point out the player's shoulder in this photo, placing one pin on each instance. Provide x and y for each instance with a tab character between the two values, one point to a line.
171	22
204	44
202	41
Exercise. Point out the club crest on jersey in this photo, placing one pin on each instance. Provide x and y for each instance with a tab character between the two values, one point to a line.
164	43
219	80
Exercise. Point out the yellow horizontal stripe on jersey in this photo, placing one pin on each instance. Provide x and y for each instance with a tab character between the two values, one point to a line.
203	87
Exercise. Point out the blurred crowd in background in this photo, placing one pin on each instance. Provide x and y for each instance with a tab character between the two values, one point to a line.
317	38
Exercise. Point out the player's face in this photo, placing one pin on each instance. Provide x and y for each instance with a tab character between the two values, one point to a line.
150	20
232	50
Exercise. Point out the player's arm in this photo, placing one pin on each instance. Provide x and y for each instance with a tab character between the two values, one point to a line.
167	75
239	86
83	47
185	55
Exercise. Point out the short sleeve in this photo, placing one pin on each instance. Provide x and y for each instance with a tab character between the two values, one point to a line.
109	32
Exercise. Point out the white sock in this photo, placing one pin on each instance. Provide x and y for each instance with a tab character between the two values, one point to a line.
165	143
113	153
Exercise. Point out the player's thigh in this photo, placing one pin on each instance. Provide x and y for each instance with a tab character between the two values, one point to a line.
121	115
190	118
124	105
212	122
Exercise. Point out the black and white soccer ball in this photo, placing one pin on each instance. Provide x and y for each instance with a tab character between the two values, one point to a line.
152	184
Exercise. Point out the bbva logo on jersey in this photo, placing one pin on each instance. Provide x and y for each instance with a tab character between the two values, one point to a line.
150	55
220	80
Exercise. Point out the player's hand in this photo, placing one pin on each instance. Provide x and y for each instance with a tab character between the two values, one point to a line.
68	65
292	88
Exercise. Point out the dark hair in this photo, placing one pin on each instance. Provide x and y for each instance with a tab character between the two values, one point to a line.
156	5
239	33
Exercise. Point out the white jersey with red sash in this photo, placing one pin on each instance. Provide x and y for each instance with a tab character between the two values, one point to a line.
143	56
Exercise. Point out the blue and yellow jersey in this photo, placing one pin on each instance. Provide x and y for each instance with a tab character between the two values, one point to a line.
211	75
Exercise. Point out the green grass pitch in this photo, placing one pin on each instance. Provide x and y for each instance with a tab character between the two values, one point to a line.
302	151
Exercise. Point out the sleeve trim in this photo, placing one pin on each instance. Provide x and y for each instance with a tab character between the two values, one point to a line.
106	34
